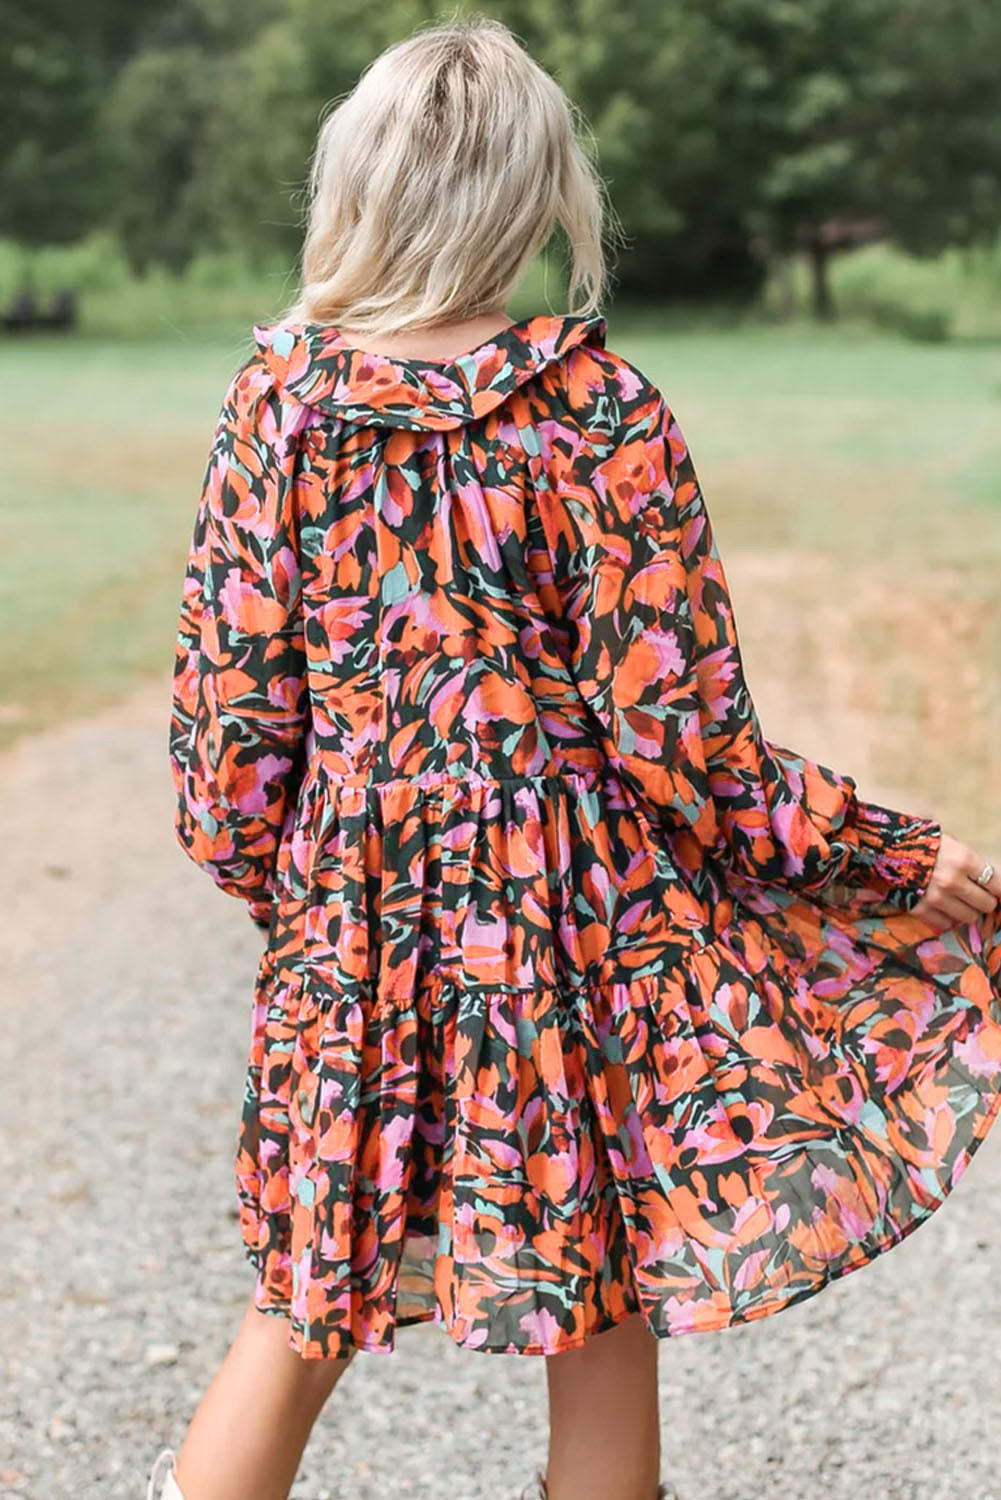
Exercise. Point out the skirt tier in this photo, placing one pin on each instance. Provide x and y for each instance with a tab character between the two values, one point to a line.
512	1070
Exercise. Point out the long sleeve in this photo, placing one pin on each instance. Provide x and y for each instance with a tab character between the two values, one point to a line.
651	641
240	696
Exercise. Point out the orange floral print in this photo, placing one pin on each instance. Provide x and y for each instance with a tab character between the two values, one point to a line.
580	997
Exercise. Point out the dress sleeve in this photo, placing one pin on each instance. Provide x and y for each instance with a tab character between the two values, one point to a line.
240	694
652	644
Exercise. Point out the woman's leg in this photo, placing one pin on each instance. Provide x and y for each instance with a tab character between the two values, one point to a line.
247	1437
604	1428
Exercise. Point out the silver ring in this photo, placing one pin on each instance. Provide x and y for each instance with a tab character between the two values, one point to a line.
986	875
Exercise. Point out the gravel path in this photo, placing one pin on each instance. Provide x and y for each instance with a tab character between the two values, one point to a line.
127	980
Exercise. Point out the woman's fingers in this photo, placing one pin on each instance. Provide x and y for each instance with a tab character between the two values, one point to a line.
978	896
957	909
943	912
953	894
975	865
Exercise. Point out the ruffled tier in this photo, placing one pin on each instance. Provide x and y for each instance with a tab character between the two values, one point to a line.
534	882
705	1137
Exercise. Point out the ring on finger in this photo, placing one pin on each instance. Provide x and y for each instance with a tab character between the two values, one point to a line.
986	875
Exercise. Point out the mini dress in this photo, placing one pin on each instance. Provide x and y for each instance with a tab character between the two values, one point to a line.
580	998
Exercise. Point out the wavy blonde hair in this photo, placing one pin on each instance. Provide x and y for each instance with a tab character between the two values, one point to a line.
439	177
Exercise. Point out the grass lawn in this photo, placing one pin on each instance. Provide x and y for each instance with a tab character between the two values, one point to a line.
853	478
105	447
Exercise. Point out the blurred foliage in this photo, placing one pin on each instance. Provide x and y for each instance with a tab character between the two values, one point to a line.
54	69
954	296
732	133
218	294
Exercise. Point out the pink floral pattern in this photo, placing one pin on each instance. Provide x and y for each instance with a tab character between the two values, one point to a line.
580	997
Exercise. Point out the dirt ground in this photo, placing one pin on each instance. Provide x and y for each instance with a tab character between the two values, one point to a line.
127	981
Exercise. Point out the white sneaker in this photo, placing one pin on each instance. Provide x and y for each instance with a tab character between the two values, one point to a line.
171	1489
535	1489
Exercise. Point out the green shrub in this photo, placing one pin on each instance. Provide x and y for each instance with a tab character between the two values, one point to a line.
955	295
217	292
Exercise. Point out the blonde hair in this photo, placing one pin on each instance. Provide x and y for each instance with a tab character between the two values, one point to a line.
439	177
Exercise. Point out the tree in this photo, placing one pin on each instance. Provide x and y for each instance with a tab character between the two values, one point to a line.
732	130
873	119
728	131
153	124
648	78
55	65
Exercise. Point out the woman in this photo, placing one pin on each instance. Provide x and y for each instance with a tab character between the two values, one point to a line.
587	1015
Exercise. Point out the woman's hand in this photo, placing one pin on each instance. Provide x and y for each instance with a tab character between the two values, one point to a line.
952	895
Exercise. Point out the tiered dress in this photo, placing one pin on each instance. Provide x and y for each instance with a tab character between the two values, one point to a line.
580	998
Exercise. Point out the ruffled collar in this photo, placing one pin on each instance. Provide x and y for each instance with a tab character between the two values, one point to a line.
315	365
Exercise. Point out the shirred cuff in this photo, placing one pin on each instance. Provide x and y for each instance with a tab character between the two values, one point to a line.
899	848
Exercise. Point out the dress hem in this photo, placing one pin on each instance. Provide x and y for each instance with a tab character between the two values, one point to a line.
763	1310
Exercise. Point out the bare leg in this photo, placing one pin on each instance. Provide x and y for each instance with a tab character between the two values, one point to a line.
247	1437
604	1428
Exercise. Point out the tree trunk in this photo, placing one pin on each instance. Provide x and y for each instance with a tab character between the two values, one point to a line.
823	305
787	290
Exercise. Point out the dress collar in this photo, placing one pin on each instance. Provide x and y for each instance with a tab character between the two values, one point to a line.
315	365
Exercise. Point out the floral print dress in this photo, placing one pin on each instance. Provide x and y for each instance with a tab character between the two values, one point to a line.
580	997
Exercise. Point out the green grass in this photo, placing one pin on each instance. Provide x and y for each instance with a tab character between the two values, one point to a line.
841	438
863	447
104	446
